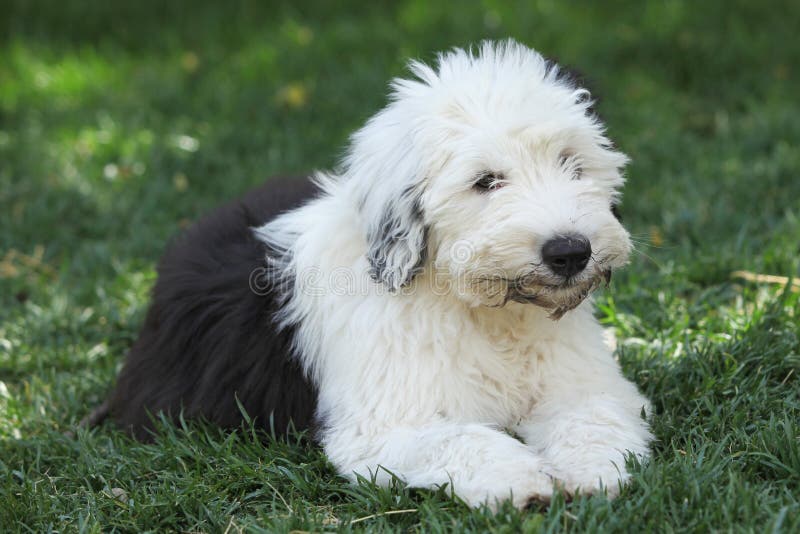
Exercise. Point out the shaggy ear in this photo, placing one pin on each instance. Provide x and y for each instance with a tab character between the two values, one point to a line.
397	240
386	166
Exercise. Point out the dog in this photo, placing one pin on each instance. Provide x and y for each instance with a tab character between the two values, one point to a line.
425	312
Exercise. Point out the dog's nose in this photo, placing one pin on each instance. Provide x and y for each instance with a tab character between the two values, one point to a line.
567	255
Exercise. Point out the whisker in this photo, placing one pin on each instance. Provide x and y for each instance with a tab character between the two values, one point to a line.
649	257
648	245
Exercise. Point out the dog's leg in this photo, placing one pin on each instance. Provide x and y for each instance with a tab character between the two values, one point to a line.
481	465
587	421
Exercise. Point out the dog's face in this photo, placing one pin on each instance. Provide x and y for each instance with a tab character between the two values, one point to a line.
526	215
493	176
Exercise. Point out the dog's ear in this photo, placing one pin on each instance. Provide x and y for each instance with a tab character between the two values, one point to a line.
397	239
387	166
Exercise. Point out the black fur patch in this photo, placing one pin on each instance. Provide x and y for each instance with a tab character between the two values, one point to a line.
573	78
616	212
208	339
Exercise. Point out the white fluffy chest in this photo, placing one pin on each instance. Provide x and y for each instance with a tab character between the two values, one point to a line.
489	386
488	373
417	360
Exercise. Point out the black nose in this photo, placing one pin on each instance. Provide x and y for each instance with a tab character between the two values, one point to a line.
567	255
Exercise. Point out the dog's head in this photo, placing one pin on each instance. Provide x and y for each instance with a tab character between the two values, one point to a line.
490	173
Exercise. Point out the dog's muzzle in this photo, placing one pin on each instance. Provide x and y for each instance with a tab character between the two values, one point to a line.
558	298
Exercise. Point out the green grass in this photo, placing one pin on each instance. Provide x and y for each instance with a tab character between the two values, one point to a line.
121	121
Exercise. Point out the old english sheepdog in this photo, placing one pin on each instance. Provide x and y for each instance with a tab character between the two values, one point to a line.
425	311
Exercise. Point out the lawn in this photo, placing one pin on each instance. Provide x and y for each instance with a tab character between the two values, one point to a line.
120	122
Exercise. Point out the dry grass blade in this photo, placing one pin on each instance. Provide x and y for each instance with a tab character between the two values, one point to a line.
382	514
766	279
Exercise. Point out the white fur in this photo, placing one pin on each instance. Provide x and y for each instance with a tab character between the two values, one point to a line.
426	372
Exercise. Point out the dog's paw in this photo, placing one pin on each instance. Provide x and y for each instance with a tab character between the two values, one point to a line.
601	481
543	501
537	502
525	488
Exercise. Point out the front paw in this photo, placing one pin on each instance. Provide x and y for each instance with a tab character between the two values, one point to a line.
567	491
607	481
524	487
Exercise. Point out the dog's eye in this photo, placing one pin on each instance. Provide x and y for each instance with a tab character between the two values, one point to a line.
488	181
570	161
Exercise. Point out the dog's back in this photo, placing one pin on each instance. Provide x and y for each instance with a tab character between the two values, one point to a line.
209	337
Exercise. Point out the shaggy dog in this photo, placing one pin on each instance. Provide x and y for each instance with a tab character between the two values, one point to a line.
424	311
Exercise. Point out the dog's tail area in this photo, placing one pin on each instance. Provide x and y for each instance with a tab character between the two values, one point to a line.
94	418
